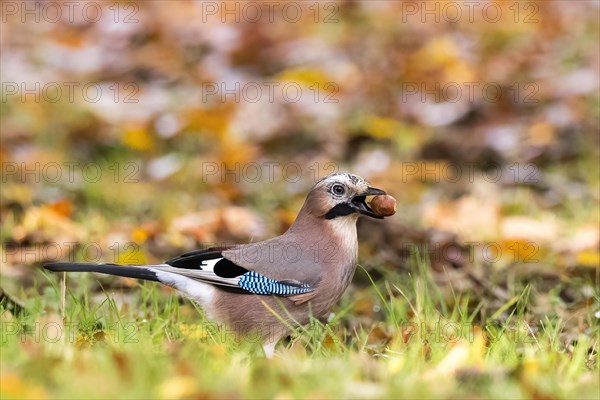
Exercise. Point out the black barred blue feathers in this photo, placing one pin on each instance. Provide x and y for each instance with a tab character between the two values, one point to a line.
259	284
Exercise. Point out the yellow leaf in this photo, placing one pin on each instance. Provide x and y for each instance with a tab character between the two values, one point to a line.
443	54
62	207
331	342
308	77
132	255
531	367
12	386
519	250
49	224
137	137
139	235
395	364
589	258
178	387
457	357
213	121
541	134
194	332
382	127
439	51
235	155
459	72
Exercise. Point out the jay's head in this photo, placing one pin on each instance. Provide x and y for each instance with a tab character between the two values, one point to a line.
341	196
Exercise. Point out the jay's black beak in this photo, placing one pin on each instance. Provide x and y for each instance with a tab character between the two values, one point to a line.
359	203
371	191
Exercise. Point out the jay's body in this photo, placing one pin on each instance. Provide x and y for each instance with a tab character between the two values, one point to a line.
252	288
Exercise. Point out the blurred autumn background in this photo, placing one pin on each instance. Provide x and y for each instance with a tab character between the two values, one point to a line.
135	131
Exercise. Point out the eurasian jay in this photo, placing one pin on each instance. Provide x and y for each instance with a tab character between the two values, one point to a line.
266	288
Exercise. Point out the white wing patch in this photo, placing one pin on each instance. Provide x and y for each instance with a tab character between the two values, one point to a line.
209	265
203	293
206	276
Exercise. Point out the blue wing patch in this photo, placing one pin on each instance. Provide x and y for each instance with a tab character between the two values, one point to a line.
259	284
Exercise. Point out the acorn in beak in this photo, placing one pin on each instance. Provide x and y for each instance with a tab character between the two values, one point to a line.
360	205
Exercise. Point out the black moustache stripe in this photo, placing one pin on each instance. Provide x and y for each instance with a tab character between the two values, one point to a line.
340	210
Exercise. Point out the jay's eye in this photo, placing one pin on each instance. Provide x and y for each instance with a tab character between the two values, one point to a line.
338	190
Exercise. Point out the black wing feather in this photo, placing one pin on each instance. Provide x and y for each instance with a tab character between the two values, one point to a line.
110	269
227	269
193	260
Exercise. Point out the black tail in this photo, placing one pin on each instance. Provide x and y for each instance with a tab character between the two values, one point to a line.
110	269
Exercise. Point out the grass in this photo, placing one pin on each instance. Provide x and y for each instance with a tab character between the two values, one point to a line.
418	343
